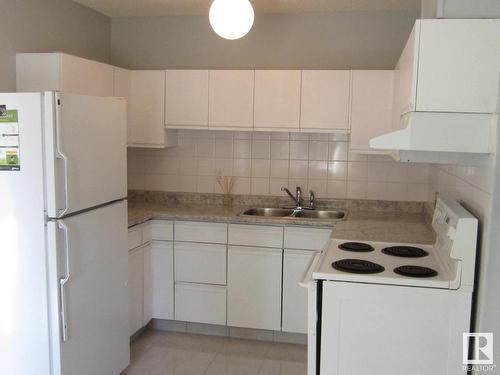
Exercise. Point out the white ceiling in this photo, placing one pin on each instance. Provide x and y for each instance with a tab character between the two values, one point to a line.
128	8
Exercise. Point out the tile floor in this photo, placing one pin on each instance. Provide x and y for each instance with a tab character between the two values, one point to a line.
171	353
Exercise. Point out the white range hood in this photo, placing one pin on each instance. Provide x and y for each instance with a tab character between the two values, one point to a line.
440	137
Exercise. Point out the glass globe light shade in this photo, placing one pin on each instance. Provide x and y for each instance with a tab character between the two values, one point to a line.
231	19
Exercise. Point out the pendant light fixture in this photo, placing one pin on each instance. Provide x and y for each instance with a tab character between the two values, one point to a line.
231	19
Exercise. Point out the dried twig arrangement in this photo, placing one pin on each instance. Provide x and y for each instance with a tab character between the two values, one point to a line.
226	184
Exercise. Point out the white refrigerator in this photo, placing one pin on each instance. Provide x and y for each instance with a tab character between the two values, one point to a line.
63	235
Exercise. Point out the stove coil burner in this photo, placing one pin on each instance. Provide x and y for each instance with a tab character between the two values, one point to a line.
415	271
405	251
357	266
356	246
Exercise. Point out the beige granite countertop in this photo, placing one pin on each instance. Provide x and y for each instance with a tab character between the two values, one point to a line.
385	227
405	227
218	213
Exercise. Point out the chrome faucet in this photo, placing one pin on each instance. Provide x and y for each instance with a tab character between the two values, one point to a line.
312	202
297	198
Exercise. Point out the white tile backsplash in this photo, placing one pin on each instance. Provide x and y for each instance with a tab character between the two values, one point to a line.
264	162
299	150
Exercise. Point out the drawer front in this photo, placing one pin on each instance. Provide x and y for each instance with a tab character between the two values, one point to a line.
255	235
193	231
200	303
200	262
304	238
162	230
134	237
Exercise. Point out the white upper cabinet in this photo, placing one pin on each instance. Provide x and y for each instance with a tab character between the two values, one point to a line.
144	90
325	100
405	79
121	82
186	99
449	66
458	65
231	99
62	72
371	106
277	99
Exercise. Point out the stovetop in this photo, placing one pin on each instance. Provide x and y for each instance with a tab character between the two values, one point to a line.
387	263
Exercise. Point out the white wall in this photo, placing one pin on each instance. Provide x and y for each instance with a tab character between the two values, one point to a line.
361	39
48	26
264	162
478	188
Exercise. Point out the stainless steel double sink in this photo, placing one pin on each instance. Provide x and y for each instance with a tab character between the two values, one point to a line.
295	213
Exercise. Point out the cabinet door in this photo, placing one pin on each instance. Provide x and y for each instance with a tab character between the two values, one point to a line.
62	72
325	100
148	286
121	82
405	84
277	99
254	287
38	72
371	106
86	77
187	99
162	280
136	289
295	263
458	66
231	99
145	124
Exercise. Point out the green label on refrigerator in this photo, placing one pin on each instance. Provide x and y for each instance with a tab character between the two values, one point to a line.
9	140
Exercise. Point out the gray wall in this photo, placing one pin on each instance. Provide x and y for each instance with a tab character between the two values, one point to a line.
46	26
307	40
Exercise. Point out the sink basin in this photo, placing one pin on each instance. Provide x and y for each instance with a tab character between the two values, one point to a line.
269	212
326	215
291	213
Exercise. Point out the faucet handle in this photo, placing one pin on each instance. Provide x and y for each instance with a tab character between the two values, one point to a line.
298	193
311	200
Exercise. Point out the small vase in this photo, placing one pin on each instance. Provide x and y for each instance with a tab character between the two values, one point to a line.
227	201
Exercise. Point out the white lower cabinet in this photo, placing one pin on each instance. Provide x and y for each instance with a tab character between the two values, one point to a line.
237	275
200	303
148	286
162	280
136	289
295	263
254	287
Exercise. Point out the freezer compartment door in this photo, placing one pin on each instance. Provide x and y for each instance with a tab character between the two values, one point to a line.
85	143
87	260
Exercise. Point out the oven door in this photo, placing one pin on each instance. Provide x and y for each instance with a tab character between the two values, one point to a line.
313	315
392	330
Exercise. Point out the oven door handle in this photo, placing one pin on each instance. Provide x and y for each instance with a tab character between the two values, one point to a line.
307	278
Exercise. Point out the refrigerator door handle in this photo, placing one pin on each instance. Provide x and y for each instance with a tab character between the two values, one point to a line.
63	281
63	156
